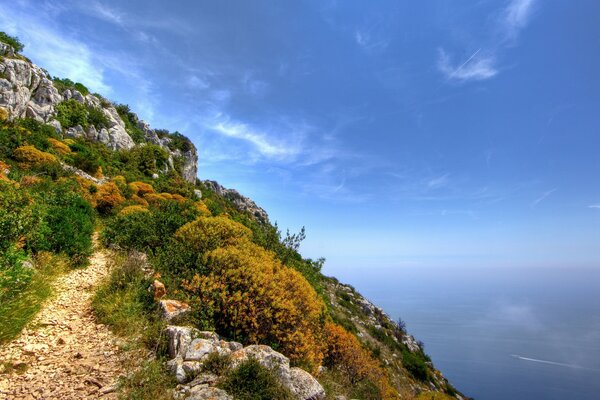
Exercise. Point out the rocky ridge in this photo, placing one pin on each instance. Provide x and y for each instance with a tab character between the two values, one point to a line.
241	202
26	90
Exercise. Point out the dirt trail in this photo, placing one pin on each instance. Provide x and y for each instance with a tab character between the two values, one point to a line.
66	352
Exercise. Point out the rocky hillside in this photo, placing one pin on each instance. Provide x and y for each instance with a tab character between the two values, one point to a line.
243	305
28	91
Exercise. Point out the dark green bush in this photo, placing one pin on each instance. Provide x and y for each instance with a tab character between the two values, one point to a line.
67	224
71	113
85	156
252	381
149	230
97	118
415	365
63	84
216	363
17	215
12	41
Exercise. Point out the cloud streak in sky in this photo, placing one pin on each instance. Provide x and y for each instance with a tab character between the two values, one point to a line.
482	65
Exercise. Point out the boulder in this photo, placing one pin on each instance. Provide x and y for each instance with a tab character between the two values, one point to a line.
267	357
304	386
205	392
173	308
157	289
199	349
179	339
175	366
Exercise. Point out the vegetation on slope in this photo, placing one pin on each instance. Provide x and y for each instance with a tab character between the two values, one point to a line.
242	276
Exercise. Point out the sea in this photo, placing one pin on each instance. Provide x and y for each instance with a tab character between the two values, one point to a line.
499	333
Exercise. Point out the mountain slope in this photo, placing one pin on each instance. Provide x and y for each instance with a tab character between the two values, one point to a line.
212	247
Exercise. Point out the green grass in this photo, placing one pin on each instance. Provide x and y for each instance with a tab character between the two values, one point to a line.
124	304
150	381
18	310
252	381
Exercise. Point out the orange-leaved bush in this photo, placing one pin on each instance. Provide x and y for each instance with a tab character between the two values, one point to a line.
108	197
29	156
256	299
346	354
208	233
141	188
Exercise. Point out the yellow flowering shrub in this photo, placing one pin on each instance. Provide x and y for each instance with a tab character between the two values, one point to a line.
132	209
208	233
29	156
60	147
256	299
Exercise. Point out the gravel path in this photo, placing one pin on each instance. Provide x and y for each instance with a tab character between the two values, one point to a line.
67	354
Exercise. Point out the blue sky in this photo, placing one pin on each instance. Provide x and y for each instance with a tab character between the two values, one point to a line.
430	134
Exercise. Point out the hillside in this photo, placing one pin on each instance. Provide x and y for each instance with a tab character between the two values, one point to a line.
200	278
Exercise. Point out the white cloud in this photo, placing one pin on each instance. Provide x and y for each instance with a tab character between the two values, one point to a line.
595	206
261	141
516	16
511	20
476	67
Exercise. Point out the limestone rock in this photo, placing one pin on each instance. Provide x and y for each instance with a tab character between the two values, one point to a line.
267	357
179	339
175	366
304	386
173	308
202	392
199	349
198	193
157	289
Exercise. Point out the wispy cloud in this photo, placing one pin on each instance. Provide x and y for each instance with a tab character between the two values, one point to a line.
482	64
594	206
261	141
476	67
543	197
516	17
370	41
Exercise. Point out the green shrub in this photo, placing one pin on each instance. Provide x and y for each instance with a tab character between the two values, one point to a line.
97	118
71	113
252	381
17	215
149	230
12	41
415	365
216	363
84	156
63	84
67	224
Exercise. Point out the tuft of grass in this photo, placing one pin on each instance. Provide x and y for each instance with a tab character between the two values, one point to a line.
216	363
19	309
251	381
150	381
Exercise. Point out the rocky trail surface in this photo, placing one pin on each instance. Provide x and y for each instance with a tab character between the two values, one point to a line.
64	353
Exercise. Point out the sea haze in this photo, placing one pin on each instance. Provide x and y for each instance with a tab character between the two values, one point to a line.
501	333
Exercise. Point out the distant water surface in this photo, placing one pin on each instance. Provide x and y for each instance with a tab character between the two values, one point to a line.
500	334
